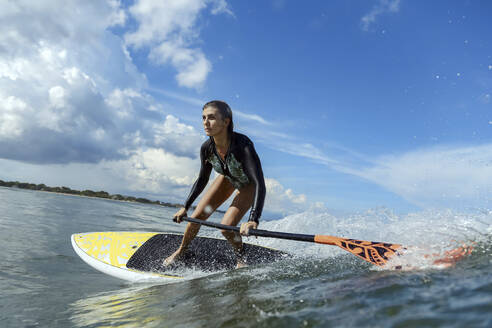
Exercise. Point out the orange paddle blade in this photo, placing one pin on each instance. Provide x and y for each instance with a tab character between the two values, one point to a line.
377	253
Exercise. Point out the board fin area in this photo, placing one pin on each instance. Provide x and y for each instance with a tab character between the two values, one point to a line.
205	254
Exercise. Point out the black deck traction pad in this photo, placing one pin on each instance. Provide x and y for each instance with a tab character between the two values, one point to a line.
206	254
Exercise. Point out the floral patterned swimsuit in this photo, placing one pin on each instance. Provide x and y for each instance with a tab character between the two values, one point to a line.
241	166
231	169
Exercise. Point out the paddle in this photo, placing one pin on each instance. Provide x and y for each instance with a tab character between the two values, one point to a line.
377	253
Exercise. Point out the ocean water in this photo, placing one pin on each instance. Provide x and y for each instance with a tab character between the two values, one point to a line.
43	283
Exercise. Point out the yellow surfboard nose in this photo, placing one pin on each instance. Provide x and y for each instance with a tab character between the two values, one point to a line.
114	248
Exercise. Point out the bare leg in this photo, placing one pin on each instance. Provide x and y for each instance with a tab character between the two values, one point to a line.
220	190
240	205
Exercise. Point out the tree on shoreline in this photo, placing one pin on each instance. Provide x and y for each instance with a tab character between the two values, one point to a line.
87	193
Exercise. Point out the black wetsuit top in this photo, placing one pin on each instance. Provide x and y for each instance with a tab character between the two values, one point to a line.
241	167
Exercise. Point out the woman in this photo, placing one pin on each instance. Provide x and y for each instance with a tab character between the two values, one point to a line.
234	158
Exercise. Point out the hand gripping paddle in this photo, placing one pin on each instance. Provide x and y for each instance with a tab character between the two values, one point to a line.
377	253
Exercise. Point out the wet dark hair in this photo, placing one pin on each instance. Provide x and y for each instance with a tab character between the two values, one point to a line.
224	110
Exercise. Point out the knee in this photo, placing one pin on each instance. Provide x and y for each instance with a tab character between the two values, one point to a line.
227	233
200	216
231	235
194	226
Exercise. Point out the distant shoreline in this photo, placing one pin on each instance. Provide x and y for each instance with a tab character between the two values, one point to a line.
85	193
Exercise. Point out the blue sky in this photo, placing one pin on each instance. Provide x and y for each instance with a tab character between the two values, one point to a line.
351	104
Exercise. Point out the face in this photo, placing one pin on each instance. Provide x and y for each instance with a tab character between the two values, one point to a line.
213	123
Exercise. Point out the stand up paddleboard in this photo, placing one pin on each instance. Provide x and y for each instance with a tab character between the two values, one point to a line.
137	256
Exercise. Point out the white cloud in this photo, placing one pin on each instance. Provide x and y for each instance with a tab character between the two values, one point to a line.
118	15
192	65
11	114
221	6
70	97
451	177
437	177
157	171
169	29
171	134
173	95
382	7
68	90
251	117
302	149
57	96
281	200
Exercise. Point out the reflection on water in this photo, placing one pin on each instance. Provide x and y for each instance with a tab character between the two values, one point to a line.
188	303
248	296
122	308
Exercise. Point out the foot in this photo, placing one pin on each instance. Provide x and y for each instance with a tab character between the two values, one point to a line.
240	258
241	264
173	258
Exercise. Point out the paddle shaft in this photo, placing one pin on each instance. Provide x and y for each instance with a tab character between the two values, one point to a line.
377	253
255	232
